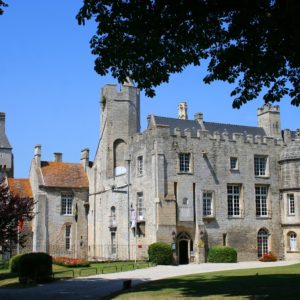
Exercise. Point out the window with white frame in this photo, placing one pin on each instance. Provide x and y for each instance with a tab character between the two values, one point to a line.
68	237
293	241
262	242
207	198
260	165
140	166
184	162
67	204
234	163
233	200
140	207
291	204
113	242
261	201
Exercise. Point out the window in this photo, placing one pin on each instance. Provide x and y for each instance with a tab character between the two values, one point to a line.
234	163
185	201
293	241
66	204
260	165
140	207
140	166
68	237
262	242
233	200
113	248
184	162
113	222
261	195
207	203
291	204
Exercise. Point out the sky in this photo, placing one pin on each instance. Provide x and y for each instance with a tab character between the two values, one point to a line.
50	91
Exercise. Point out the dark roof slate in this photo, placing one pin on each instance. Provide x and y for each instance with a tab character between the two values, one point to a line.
210	126
4	143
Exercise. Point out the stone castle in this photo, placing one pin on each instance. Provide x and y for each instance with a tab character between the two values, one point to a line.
190	183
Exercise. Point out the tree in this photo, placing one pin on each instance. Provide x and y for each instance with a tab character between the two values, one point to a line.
13	212
2	4
252	43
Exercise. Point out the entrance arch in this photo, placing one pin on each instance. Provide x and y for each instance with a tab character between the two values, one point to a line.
183	242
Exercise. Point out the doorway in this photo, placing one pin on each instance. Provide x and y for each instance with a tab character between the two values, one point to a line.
183	242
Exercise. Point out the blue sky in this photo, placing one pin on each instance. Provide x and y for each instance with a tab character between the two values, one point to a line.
50	91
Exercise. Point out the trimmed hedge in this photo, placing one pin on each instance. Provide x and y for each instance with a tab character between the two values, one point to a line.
35	267
14	263
160	253
222	254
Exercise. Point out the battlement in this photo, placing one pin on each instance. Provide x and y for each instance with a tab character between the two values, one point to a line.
268	108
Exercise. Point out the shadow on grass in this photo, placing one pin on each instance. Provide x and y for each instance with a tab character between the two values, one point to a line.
280	286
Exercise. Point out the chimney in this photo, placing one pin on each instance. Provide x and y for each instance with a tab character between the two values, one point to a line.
182	111
2	122
199	119
85	156
57	156
37	154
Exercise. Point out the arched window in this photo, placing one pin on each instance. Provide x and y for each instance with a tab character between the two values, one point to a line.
262	242
293	241
119	157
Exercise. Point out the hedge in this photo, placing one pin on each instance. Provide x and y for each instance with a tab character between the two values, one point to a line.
160	253
14	263
222	254
35	267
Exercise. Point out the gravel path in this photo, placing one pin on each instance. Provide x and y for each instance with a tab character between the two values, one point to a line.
98	286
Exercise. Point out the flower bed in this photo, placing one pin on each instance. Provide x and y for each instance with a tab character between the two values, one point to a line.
268	257
70	262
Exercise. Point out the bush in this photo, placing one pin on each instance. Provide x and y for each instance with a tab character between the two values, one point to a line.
268	257
14	263
35	267
222	254
160	253
70	262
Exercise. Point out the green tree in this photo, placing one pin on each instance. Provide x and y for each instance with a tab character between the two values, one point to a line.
252	43
2	4
13	211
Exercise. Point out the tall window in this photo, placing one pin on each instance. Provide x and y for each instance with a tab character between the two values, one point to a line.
113	216
260	165
207	203
184	162
234	163
140	207
233	200
67	204
261	195
293	241
291	204
68	237
262	242
140	166
113	241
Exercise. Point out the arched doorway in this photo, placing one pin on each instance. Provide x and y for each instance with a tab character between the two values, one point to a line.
183	242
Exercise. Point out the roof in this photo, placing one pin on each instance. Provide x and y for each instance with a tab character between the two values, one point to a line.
4	143
20	187
66	175
210	126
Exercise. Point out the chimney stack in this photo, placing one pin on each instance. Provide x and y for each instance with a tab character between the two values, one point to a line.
37	154
182	111
57	156
2	122
85	154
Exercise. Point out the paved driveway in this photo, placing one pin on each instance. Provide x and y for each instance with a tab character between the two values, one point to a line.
99	286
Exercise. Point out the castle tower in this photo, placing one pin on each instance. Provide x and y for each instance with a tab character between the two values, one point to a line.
6	156
269	119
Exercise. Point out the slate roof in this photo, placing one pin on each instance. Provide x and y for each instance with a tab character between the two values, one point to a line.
64	175
20	187
4	143
210	126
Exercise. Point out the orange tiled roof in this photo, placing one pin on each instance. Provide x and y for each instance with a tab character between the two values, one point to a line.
20	187
61	174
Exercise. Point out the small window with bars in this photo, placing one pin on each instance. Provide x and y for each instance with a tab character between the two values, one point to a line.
234	163
67	204
291	204
113	243
184	162
140	166
68	237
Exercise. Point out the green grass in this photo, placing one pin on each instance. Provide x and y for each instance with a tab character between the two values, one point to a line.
8	279
263	283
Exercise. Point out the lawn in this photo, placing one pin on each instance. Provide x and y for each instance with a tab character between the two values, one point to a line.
9	279
263	283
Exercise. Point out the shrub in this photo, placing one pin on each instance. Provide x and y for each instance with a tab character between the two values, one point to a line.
70	262
35	267
268	257
14	263
222	254
160	253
